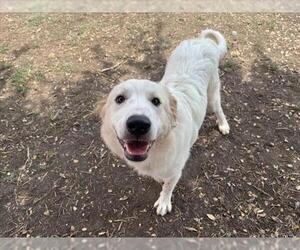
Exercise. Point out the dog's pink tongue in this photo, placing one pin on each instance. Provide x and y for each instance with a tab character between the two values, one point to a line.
137	147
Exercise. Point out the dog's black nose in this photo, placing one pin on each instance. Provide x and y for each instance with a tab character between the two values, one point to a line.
138	125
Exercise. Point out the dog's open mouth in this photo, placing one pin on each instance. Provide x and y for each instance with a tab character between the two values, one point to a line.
136	150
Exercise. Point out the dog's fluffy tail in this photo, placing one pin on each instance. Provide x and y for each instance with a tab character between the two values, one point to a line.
218	38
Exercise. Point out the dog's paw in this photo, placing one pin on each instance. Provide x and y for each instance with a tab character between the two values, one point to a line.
224	128
163	205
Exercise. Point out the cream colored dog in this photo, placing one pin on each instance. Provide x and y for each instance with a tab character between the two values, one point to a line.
152	126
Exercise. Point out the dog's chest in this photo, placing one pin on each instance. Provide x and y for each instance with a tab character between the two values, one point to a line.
158	171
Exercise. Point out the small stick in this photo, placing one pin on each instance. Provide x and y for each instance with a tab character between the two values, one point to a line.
112	67
262	191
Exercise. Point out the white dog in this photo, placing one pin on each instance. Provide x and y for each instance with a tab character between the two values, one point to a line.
152	126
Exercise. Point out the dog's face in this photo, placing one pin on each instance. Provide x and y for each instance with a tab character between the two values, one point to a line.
134	116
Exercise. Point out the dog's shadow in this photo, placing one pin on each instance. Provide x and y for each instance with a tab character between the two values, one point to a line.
217	161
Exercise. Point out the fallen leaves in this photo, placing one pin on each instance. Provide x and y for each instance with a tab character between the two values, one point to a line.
46	212
211	217
191	229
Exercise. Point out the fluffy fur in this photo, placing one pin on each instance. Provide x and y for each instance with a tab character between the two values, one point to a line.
189	87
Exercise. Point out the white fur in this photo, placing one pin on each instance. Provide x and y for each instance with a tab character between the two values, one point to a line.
192	78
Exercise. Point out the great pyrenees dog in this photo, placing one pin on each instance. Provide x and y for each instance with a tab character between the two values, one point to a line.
152	126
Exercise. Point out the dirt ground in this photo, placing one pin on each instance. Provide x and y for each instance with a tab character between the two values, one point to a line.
58	179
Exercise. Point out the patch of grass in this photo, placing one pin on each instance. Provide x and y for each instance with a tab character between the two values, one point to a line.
273	67
228	65
39	76
77	35
271	24
5	65
3	48
66	67
20	79
34	21
82	32
259	23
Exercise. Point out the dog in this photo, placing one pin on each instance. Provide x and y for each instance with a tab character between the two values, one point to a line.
153	125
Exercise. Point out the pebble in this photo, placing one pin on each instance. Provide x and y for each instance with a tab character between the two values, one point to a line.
51	55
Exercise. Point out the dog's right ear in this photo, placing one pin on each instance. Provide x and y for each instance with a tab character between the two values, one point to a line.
100	108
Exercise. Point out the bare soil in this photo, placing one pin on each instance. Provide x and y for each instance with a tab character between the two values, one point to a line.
58	179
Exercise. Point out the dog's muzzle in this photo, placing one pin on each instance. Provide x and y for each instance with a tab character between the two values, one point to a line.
136	144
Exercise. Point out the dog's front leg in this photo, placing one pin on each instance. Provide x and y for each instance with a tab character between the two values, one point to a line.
163	203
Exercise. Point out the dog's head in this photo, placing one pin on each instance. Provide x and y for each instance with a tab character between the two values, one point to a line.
135	115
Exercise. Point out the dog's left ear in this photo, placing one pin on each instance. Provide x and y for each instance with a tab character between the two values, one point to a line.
173	109
101	107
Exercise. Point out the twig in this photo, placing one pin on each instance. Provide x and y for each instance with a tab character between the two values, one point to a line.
120	226
87	150
8	231
282	129
259	189
44	196
112	67
28	158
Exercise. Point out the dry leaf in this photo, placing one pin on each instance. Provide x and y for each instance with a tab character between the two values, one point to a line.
211	217
47	212
123	198
191	229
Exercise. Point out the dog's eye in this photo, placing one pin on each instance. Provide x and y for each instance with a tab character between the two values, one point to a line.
120	99
155	101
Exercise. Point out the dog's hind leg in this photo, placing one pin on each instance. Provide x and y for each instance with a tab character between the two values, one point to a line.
214	103
221	119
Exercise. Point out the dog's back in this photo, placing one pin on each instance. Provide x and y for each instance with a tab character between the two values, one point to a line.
196	57
191	68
